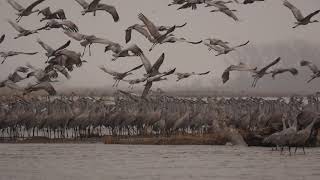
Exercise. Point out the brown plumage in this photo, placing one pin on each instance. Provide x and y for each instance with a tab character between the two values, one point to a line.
293	71
66	25
46	86
2	38
240	67
48	15
95	6
313	68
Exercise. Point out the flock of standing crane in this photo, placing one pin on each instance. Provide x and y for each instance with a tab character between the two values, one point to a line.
258	120
60	60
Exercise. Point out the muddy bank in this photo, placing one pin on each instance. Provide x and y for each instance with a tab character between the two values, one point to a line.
207	139
45	140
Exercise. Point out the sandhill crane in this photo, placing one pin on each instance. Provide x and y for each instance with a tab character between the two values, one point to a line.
119	76
48	15
40	74
48	73
9	84
228	12
217	42
300	138
179	2
260	73
313	68
95	5
151	70
274	139
301	20
173	39
166	28
21	30
50	51
88	40
133	82
132	96
66	25
221	7
142	29
24	11
250	1
66	58
158	38
192	4
181	76
46	86
119	51
240	67
2	38
286	135
7	54
15	77
156	78
221	50
293	71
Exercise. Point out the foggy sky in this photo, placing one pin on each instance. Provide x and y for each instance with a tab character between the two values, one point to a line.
267	25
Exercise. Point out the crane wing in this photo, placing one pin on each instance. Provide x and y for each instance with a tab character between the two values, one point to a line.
2	38
83	3
135	68
146	90
296	12
111	10
109	71
311	66
16	26
45	46
15	5
93	4
293	71
270	65
34	4
75	35
150	26
146	63
158	63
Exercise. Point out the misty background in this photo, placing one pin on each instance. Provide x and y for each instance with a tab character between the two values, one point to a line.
268	26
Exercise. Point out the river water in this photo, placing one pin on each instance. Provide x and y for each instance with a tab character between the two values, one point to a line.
107	162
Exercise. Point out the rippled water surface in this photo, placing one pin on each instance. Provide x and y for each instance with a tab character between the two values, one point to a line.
99	161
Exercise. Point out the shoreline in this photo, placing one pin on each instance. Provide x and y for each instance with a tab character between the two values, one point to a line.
207	139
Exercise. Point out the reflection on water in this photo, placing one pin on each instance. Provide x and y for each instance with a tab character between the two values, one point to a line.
99	161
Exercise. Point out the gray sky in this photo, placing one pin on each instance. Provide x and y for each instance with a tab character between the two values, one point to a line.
267	26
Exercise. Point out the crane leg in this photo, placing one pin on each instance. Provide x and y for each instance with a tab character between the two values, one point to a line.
252	85
19	18
289	150
295	150
84	50
152	47
296	26
4	59
89	49
304	152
